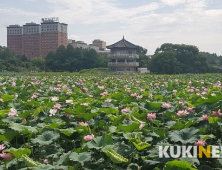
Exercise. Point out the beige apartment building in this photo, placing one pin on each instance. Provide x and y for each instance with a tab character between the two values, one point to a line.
83	45
99	43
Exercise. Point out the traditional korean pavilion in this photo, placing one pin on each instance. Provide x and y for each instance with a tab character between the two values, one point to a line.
123	57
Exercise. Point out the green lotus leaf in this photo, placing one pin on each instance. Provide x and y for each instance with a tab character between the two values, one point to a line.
107	105
129	128
112	129
100	141
204	137
63	158
110	110
4	113
213	120
46	138
87	116
7	97
8	135
153	105
23	129
68	132
55	125
17	153
139	144
178	165
81	157
133	166
135	135
187	135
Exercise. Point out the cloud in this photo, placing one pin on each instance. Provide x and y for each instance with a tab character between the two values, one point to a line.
96	11
175	21
147	24
173	2
74	37
18	12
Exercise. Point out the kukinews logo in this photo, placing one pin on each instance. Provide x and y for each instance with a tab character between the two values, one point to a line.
190	151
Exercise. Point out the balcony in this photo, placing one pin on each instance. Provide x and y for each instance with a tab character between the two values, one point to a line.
131	64
130	56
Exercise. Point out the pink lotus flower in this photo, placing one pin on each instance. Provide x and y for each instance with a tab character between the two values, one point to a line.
206	89
126	110
151	116
200	142
83	124
108	100
150	95
133	95
34	96
190	90
69	101
190	109
16	95
182	102
101	87
215	113
139	96
54	98
7	156
182	112
166	105
57	106
52	112
68	93
127	90
141	126
2	146
1	100
24	121
84	104
13	112
204	117
88	137
85	89
105	93
13	84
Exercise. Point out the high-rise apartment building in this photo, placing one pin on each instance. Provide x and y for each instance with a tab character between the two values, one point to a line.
32	40
35	40
15	38
99	43
53	34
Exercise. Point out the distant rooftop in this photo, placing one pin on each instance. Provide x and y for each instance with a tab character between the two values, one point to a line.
31	24
52	19
123	44
16	25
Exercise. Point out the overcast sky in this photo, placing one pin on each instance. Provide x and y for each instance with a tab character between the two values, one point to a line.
148	23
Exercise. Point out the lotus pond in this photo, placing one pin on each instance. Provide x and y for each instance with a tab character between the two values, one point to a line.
78	122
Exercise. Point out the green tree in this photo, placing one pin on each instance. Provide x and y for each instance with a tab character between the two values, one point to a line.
165	63
144	59
38	63
188	59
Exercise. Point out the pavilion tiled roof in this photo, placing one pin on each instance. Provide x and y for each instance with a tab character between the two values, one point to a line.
123	44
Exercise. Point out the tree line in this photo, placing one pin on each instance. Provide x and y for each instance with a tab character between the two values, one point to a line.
168	59
64	59
181	58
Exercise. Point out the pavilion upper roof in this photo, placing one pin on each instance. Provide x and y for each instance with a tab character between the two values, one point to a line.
123	44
